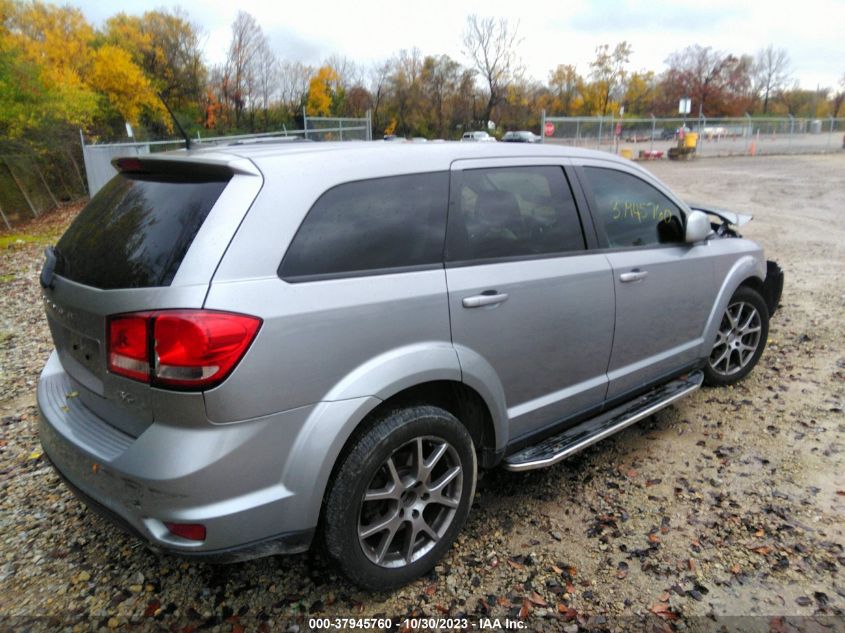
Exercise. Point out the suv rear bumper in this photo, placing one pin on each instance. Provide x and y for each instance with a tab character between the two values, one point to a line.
225	477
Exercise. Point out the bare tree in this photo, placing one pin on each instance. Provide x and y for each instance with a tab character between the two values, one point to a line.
266	78
347	70
771	73
491	45
293	85
377	79
240	68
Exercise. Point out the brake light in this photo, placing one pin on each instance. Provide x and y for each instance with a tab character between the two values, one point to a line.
189	349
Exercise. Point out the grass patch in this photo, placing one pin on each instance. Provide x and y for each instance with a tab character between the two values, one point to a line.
4	279
14	240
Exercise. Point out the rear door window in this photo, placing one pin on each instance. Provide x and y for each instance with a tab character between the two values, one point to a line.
371	227
512	212
136	230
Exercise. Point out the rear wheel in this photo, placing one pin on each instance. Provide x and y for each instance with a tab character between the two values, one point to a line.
740	340
400	496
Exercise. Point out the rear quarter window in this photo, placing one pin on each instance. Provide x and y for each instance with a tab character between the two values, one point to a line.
135	231
370	227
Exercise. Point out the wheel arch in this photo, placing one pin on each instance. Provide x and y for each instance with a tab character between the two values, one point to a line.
422	373
747	271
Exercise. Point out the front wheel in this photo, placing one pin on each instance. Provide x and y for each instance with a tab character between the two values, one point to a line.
740	340
400	496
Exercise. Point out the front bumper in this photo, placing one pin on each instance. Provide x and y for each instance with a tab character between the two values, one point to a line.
773	286
226	477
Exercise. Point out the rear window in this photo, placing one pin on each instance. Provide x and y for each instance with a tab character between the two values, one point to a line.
369	227
135	232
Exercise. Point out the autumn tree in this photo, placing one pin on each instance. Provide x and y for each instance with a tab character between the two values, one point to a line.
440	77
407	92
167	46
640	95
322	88
124	84
608	73
83	81
838	98
564	83
718	83
491	46
770	73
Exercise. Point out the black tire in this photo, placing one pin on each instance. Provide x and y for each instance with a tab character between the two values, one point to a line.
366	469
720	370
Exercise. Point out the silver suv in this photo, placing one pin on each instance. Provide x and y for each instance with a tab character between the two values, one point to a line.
259	344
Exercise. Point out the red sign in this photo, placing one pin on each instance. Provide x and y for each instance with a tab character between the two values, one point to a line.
549	130
619	129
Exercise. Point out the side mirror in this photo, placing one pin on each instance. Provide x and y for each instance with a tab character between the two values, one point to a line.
698	227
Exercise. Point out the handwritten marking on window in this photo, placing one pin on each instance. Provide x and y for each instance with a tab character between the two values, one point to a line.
640	211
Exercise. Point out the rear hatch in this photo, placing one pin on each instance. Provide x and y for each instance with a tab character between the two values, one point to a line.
149	240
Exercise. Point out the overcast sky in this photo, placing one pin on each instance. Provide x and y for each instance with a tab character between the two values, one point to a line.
552	32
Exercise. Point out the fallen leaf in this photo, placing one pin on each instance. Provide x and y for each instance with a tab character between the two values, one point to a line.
663	611
72	394
763	550
735	569
567	612
525	610
152	608
36	454
515	565
653	538
429	591
537	600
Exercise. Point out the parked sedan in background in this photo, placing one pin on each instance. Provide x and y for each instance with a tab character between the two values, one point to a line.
477	137
523	136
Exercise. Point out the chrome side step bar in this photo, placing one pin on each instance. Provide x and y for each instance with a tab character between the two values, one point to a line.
558	447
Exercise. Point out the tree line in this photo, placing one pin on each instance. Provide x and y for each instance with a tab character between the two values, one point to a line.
59	74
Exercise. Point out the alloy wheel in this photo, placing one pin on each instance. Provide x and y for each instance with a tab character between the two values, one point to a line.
737	340
410	502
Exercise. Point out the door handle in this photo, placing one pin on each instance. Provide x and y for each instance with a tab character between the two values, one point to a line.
487	298
634	275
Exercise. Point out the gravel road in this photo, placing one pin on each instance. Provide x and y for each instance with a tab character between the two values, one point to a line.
726	509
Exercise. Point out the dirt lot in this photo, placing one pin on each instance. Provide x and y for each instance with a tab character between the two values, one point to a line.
730	503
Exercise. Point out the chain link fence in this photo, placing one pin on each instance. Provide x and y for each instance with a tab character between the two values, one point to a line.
741	136
32	184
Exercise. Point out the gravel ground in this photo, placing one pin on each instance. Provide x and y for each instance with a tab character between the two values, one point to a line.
729	503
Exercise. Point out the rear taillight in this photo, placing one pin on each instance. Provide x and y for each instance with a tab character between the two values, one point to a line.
129	346
189	349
